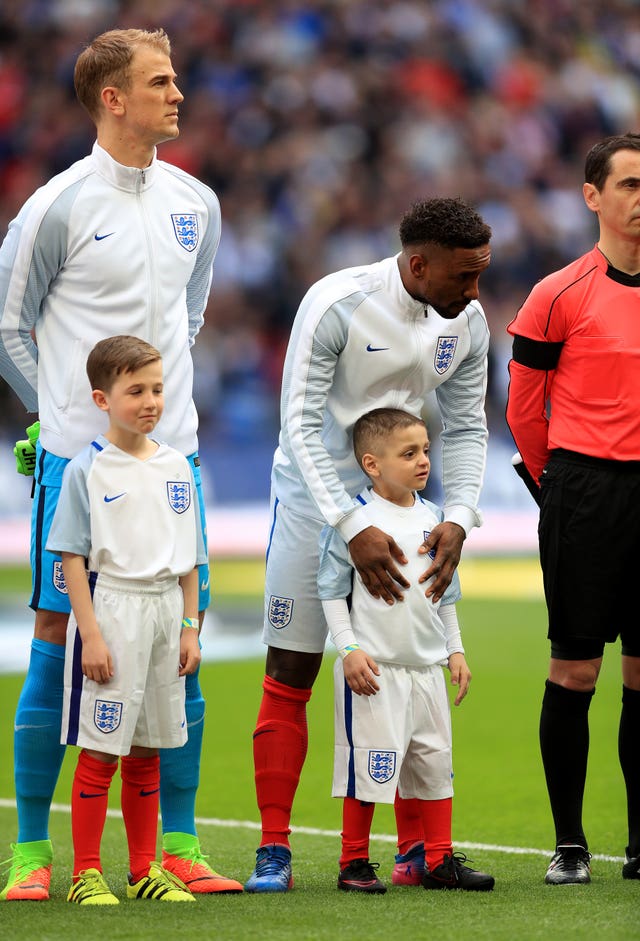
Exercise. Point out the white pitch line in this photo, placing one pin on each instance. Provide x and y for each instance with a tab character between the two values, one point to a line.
315	831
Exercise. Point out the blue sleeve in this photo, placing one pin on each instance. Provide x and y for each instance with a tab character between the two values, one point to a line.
335	571
71	527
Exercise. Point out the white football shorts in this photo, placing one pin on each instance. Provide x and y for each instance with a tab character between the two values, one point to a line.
399	738
293	615
143	704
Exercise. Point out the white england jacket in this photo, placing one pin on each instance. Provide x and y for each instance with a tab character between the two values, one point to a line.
103	249
360	341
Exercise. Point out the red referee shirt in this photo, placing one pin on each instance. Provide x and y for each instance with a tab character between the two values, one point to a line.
575	372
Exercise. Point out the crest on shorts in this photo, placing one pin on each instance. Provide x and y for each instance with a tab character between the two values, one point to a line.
107	715
179	494
445	351
58	579
185	225
280	611
382	765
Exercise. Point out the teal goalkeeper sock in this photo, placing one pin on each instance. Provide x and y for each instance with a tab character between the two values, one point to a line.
38	753
180	767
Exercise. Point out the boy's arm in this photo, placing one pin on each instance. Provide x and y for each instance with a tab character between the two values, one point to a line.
335	579
190	655
96	660
360	669
460	672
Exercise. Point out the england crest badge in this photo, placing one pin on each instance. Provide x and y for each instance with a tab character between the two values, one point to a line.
382	765
280	611
445	351
107	715
432	552
185	226
179	494
58	579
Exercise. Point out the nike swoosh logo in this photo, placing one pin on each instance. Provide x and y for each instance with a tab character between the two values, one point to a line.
144	793
263	732
204	585
376	349
83	795
99	238
111	499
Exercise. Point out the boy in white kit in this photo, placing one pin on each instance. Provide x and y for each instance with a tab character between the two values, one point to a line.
394	734
129	533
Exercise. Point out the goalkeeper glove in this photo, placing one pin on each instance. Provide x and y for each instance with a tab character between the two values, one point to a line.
25	451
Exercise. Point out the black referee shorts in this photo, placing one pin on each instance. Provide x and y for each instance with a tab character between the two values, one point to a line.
589	535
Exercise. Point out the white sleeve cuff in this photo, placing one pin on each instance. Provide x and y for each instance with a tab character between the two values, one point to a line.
449	618
336	612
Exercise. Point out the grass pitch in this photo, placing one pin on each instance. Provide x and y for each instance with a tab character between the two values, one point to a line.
501	816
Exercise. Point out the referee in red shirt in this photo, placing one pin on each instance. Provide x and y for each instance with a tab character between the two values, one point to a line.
574	412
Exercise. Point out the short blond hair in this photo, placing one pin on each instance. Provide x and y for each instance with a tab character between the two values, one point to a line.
107	61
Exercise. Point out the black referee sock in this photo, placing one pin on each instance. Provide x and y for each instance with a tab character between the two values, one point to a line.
564	744
629	754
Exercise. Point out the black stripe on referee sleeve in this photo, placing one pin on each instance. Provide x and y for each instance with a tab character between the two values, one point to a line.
536	354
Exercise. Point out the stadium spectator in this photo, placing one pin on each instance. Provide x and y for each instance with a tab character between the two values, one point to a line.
317	123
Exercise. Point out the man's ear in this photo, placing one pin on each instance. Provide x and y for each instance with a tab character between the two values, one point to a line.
111	98
591	194
100	399
418	265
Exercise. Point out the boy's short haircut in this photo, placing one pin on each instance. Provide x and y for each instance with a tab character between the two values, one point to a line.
373	428
115	355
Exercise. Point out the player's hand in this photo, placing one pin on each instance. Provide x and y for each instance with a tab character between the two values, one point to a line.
190	655
97	664
446	540
374	554
360	671
25	451
460	675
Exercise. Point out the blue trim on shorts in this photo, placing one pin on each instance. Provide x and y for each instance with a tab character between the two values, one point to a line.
77	680
204	573
273	525
348	725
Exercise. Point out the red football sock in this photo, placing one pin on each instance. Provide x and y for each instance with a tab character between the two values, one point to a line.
356	828
408	822
139	801
89	796
279	749
436	821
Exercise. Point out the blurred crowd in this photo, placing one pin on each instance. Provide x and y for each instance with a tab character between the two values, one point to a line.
318	122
